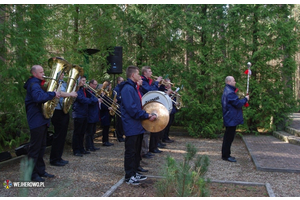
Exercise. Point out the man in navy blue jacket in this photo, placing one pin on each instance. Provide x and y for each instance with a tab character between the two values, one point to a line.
93	118
80	115
119	126
38	124
132	114
232	115
105	115
150	85
60	121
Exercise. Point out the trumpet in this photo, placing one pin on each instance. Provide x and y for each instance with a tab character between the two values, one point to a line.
163	82
106	101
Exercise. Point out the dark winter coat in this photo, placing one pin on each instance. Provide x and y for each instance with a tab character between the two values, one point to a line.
147	86
117	89
232	107
35	96
104	113
81	104
131	109
93	109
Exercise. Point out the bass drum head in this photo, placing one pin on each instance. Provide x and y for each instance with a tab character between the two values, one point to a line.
158	96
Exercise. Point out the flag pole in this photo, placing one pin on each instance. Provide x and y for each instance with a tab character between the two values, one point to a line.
248	72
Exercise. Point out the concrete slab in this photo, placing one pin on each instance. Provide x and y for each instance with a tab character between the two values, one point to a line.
271	154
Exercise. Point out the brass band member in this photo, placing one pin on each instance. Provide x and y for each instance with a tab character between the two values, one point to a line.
132	114
165	136
38	124
119	126
60	121
150	85
93	118
105	116
80	114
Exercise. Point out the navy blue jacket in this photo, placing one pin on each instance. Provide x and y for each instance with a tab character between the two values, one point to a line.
81	104
146	87
174	109
117	89
131	109
104	113
33	102
232	107
93	109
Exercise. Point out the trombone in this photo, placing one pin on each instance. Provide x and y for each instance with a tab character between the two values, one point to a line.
106	101
163	82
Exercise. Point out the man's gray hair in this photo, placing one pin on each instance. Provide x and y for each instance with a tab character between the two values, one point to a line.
228	79
33	68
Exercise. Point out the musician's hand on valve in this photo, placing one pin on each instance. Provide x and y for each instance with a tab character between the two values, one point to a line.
100	100
159	79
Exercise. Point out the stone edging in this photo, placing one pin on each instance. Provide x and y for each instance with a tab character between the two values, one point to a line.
18	158
267	185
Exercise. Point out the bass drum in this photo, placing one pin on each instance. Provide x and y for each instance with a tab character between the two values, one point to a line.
158	96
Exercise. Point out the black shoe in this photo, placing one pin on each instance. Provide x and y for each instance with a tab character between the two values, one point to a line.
230	159
78	154
160	145
38	179
140	169
95	148
107	144
47	175
146	156
150	154
64	161
121	139
163	144
91	149
85	152
57	163
168	141
156	151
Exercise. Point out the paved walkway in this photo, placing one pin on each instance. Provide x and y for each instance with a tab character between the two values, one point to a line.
271	154
295	123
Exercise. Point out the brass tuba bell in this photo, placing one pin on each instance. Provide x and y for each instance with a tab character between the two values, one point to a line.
58	66
74	73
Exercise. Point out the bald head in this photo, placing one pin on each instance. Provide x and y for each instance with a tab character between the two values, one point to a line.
230	81
37	71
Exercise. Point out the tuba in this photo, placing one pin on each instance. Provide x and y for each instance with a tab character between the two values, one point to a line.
58	66
74	73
